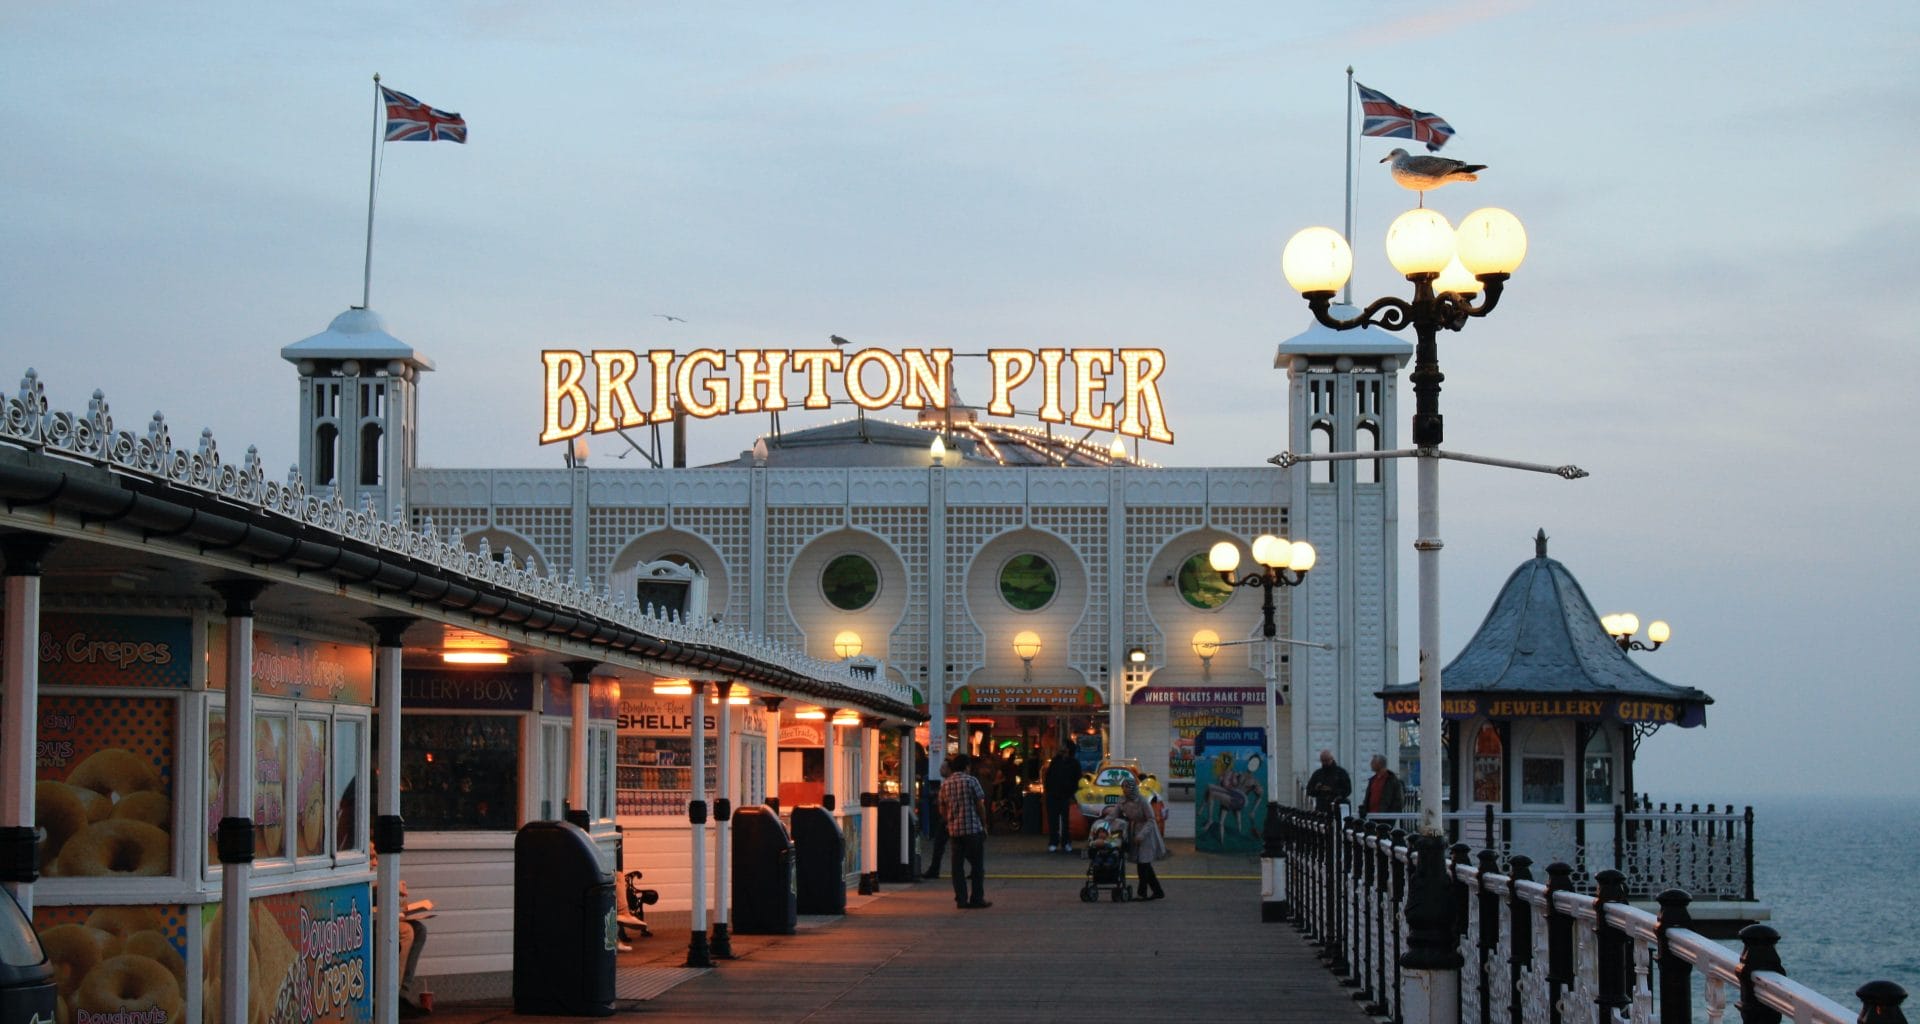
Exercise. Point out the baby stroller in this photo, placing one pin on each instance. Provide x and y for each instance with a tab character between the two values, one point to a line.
1107	849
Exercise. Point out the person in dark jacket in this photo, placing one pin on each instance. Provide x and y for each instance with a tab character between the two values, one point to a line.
1385	794
1330	786
1061	783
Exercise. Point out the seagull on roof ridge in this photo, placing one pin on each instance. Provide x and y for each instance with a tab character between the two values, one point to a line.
1423	174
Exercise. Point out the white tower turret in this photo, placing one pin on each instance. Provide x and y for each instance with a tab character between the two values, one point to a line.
1341	397
359	411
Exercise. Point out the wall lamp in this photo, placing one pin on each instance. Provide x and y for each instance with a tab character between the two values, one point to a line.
1026	644
846	645
1206	643
673	687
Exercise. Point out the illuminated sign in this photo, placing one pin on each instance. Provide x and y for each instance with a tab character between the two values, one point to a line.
596	392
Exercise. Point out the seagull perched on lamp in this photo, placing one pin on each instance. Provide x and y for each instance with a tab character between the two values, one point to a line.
1423	174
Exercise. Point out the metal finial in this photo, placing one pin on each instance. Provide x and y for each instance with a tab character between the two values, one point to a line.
1540	544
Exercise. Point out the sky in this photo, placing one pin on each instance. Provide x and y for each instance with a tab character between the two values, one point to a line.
1715	317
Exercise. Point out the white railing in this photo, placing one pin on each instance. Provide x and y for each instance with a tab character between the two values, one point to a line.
91	438
1533	952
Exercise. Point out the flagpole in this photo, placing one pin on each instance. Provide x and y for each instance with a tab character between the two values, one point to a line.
373	159
1346	290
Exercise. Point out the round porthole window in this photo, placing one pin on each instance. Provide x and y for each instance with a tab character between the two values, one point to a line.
1028	582
1200	586
850	582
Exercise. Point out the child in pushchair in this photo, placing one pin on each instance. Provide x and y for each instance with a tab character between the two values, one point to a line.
1106	860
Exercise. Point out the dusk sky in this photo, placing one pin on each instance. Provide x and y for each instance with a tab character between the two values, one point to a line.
1716	316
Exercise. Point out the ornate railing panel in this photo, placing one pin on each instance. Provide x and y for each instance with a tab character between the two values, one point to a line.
1535	952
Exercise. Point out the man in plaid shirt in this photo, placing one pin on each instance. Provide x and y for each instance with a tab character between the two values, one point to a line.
963	805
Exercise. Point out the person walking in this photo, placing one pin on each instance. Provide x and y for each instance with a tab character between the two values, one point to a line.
1061	783
1385	794
1144	828
1330	786
963	804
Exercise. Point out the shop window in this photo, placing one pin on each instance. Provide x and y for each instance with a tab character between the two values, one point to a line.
1200	586
1597	769
269	786
1488	780
310	818
850	582
459	773
1543	769
1028	582
349	822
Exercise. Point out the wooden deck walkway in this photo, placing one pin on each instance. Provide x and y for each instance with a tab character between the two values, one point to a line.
1038	954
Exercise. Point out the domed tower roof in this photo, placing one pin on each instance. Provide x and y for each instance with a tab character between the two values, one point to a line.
358	333
1543	639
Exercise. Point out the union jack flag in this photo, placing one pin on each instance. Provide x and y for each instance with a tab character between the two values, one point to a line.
409	120
1386	119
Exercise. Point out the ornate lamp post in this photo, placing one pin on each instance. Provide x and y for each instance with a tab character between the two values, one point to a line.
1456	276
1282	564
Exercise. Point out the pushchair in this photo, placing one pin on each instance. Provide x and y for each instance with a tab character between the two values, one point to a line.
1107	849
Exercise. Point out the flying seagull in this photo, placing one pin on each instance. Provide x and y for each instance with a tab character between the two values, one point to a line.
1423	174
836	339
671	319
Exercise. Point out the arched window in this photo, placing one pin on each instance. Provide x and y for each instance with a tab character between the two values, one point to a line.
326	454
1321	472
1366	438
1596	772
370	455
1543	767
1489	780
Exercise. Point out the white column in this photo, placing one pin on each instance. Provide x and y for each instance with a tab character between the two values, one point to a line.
20	701
236	827
580	690
830	778
699	953
772	767
723	834
936	668
906	798
388	839
870	815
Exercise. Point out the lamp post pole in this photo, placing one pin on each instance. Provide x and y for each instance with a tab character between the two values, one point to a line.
1448	270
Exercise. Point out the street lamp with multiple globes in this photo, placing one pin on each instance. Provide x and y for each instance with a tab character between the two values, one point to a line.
1621	626
1282	564
1448	269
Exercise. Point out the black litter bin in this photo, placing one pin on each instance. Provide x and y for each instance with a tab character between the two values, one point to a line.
763	885
820	858
564	928
896	865
27	990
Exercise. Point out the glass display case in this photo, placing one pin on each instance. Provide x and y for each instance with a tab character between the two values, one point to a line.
460	772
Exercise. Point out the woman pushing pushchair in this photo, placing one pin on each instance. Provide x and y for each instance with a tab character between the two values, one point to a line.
1145	844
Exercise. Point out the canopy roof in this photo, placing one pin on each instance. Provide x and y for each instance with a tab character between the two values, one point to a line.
1542	653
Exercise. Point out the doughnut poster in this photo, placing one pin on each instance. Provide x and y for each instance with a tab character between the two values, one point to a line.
311	957
110	960
103	791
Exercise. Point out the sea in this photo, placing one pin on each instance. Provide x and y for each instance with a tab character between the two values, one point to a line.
1839	873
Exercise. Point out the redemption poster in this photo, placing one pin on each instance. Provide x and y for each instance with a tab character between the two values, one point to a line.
1229	802
312	958
1187	720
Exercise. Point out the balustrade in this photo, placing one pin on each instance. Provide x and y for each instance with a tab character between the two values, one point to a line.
1542	953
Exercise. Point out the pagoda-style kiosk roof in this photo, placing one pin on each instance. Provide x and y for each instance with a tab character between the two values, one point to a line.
1542	653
